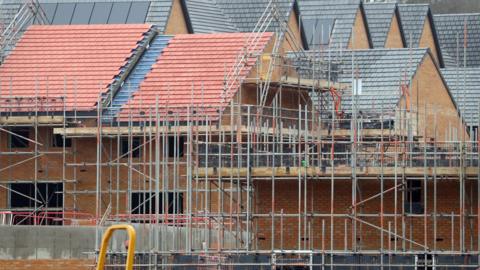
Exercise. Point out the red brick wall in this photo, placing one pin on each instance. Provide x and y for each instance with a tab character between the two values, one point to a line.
419	228
286	198
46	264
50	168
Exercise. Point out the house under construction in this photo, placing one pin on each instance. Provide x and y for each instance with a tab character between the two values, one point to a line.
303	136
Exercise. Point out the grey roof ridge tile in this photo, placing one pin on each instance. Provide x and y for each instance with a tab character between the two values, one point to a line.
456	14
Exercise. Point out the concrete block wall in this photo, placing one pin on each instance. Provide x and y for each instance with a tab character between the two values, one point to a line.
70	264
41	242
52	242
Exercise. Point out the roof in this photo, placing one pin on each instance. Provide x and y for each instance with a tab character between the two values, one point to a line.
60	12
158	13
245	14
449	26
340	14
379	19
207	17
232	16
413	18
464	84
8	10
202	16
382	72
78	12
191	72
75	62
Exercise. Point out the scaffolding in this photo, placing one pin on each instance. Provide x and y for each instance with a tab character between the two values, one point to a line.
30	12
257	186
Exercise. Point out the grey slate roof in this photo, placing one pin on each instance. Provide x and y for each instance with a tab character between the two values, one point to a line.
379	20
244	14
448	26
413	17
203	16
158	10
449	60
207	17
467	96
381	71
8	9
341	12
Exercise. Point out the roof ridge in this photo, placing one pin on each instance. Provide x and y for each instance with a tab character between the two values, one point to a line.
379	4
220	35
475	68
416	4
386	49
456	14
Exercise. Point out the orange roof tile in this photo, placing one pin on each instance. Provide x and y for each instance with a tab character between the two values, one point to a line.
191	71
77	62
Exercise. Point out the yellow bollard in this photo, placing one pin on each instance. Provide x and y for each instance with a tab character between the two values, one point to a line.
106	239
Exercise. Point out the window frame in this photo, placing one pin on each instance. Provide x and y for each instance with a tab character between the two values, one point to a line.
414	203
324	37
12	138
55	144
124	147
56	192
137	202
177	142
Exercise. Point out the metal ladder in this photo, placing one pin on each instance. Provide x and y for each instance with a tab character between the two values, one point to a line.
30	12
250	50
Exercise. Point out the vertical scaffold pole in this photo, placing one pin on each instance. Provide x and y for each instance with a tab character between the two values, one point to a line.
247	244
157	174
98	209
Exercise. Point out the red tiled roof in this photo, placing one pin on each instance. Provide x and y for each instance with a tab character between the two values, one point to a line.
190	72
75	61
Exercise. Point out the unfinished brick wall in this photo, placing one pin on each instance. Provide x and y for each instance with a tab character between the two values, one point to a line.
83	151
286	198
419	228
49	168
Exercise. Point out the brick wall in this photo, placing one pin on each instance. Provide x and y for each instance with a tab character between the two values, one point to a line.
394	37
318	202
50	166
176	22
418	228
359	37
438	116
46	264
427	39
